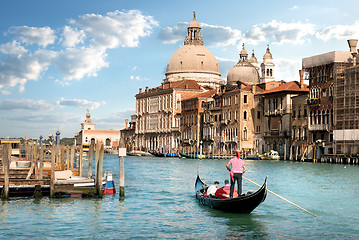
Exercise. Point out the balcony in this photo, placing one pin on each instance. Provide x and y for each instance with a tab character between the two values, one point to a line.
276	133
275	112
319	127
313	101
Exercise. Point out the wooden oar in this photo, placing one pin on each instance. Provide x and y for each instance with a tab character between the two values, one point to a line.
281	197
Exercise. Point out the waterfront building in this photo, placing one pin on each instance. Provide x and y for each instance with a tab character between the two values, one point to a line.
192	70
192	121
299	126
323	71
158	112
346	107
211	126
277	105
128	133
88	135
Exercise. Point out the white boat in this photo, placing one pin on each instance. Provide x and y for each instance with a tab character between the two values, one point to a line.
272	155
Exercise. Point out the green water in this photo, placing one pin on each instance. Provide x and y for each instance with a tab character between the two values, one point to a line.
160	204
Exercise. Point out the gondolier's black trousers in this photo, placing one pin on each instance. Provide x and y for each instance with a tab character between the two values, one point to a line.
237	177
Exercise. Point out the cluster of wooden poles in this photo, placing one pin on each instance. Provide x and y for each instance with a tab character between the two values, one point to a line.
43	163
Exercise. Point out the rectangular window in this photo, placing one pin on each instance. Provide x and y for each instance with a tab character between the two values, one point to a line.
258	114
245	99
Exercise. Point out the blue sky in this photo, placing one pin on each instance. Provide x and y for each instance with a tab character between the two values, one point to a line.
59	58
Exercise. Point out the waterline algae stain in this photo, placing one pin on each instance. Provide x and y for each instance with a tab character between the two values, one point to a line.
160	204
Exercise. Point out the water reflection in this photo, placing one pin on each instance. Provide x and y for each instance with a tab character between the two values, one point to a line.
241	226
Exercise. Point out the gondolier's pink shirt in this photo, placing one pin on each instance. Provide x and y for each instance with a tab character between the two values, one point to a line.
237	165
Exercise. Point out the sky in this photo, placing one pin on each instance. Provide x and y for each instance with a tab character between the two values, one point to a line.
60	58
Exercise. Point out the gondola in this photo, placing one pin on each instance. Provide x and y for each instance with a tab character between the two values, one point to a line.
245	203
159	154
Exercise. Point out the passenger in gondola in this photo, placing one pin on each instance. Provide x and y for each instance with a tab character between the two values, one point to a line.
238	167
211	191
224	192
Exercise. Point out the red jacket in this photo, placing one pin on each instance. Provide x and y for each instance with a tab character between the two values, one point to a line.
223	192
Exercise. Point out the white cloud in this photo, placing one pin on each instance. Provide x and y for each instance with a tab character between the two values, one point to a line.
138	78
81	51
76	63
212	35
72	37
287	69
220	35
278	32
33	35
82	103
12	48
295	7
116	28
339	32
17	70
25	104
171	35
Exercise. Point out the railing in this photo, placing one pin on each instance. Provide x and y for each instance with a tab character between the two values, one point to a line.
319	127
274	112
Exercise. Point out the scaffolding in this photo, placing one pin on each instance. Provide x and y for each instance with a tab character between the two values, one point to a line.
346	107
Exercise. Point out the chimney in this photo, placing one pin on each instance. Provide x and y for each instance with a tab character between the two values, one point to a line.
301	74
352	46
146	89
140	90
126	120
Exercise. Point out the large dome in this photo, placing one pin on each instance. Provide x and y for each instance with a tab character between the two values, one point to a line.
193	58
244	72
194	61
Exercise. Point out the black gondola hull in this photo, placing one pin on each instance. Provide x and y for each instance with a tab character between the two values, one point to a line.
242	204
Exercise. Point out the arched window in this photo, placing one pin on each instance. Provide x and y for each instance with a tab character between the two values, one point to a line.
245	133
319	117
332	117
93	141
271	72
245	115
323	116
327	115
108	142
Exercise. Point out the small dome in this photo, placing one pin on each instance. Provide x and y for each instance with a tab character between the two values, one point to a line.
253	59
244	51
194	22
243	71
268	54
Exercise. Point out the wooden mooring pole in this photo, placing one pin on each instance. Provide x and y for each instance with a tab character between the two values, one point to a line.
99	170
52	176
6	156
121	158
89	172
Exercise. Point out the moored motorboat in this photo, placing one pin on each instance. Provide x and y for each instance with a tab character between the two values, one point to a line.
245	203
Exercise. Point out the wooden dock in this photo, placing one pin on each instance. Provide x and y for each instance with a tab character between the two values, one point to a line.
33	173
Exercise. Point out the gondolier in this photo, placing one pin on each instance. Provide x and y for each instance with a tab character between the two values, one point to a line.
238	167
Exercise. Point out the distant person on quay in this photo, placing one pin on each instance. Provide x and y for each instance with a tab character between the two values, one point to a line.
236	166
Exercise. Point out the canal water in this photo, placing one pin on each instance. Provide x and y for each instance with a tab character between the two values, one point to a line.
160	204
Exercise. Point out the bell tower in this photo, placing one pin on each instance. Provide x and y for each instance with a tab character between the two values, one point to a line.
267	67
